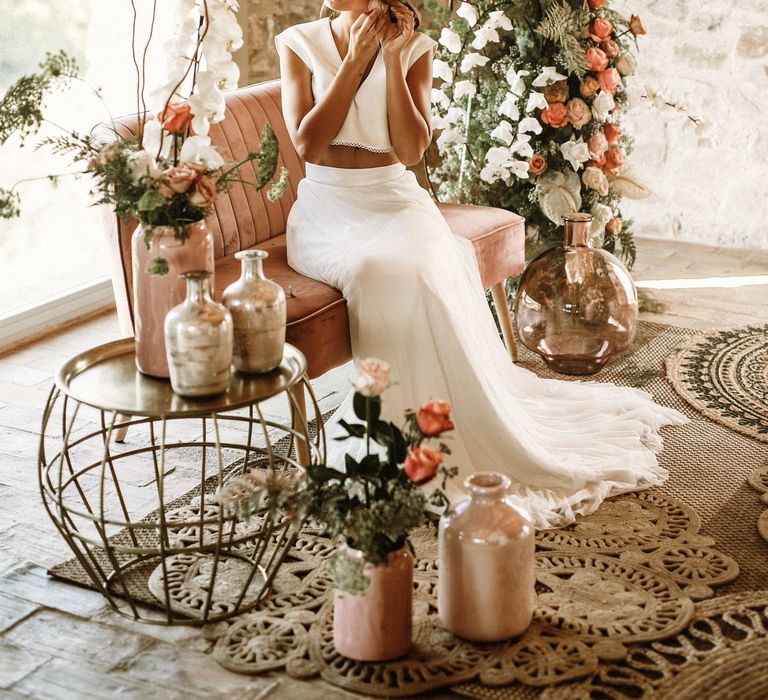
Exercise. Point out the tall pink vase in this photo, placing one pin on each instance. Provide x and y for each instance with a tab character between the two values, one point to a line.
377	625
155	295
485	589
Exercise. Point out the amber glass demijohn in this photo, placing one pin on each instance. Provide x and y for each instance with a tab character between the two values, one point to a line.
576	306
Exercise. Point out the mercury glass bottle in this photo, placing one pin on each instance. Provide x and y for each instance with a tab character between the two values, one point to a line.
576	306
257	305
486	583
198	340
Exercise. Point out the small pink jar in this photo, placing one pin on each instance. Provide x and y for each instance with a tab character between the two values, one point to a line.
485	589
377	625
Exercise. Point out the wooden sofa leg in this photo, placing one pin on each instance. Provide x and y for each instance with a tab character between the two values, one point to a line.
298	403
505	318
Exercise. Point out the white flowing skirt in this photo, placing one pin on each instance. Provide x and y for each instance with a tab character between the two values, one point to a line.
415	300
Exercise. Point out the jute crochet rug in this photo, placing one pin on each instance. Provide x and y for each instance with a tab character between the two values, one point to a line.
627	576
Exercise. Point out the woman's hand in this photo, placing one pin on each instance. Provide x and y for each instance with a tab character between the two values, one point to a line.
396	36
364	38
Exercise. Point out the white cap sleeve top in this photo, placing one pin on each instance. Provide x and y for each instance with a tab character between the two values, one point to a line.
366	125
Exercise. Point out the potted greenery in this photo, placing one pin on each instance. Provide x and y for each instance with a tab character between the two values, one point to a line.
369	509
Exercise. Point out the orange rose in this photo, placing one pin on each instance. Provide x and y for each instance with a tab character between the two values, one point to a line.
600	29
636	26
589	86
179	178
596	59
596	162
612	132
204	192
176	117
614	226
557	92
537	165
595	4
433	418
421	464
610	48
614	159
609	80
555	115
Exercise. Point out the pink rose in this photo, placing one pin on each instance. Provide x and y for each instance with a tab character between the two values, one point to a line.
589	86
636	26
555	115
610	48
372	377
609	80
557	92
578	112
596	59
597	145
612	132
595	4
176	117
595	179
537	164
434	417
600	29
421	464
204	192
614	159
179	178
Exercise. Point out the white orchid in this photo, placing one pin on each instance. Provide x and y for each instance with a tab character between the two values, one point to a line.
548	76
536	100
498	155
438	97
502	164
515	81
442	71
207	103
198	149
706	133
576	152
152	136
455	114
519	168
602	105
468	12
450	39
485	35
529	125
509	107
493	173
503	132
448	137
464	88
472	60
522	146
499	20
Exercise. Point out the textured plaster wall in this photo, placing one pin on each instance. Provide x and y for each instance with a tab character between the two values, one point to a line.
713	56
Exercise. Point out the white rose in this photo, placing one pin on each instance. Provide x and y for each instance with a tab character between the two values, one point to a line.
602	213
595	179
602	105
142	164
372	377
626	64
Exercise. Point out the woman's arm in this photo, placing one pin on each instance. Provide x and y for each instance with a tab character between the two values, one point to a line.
312	126
408	96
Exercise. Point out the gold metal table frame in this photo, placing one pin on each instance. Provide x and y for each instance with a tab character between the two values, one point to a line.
82	477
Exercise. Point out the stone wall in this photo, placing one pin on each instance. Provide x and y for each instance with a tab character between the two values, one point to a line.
711	55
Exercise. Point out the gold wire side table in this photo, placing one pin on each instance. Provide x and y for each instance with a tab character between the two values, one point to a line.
111	501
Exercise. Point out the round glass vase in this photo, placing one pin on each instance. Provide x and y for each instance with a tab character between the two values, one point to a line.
198	339
377	624
576	306
258	310
154	295
486	582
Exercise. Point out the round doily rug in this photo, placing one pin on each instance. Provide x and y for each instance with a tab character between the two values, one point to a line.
724	375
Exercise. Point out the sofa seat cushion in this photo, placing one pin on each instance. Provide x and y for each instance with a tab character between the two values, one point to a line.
316	313
498	236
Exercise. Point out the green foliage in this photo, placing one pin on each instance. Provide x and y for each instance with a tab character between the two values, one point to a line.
562	25
267	158
9	204
157	266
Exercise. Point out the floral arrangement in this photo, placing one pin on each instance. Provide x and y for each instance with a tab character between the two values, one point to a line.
529	111
377	501
168	173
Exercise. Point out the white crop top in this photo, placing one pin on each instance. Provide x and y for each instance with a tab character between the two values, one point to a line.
366	124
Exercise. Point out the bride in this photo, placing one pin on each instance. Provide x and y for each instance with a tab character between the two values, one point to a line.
356	98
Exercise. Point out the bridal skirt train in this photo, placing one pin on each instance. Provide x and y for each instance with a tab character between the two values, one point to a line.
415	300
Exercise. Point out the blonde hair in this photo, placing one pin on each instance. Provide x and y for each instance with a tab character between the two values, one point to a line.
326	11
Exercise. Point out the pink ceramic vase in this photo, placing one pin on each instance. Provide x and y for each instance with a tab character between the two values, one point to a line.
155	295
485	589
376	626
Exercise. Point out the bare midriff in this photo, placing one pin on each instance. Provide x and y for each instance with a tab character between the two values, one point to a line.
355	157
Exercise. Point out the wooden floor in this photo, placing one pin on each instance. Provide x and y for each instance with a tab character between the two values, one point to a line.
62	642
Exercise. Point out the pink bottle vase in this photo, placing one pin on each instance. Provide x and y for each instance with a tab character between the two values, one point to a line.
154	295
377	625
485	589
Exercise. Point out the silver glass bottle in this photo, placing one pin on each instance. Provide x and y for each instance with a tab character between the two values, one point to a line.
198	340
257	305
